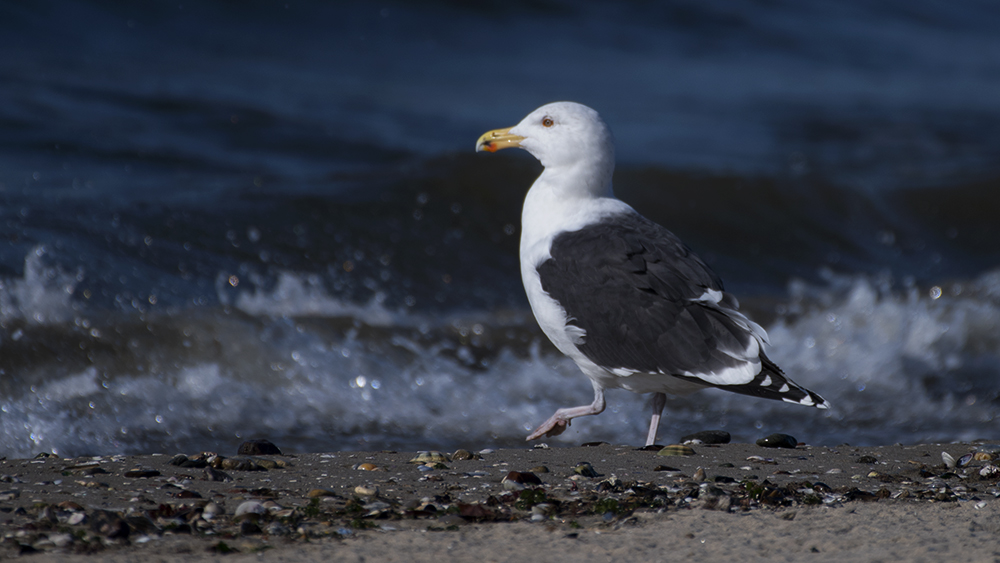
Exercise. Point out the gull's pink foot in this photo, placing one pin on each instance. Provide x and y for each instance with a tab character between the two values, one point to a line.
552	427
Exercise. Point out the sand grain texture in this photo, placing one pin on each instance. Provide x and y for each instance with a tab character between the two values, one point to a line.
753	504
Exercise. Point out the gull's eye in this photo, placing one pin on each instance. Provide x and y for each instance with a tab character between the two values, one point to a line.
547	122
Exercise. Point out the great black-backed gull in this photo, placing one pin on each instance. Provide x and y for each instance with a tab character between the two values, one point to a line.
620	295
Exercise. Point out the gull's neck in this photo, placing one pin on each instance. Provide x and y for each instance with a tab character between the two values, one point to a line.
567	198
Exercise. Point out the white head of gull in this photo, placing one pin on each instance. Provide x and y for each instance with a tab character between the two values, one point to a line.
620	295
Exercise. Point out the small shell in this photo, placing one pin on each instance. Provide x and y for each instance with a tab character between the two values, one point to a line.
666	468
366	467
949	461
211	510
585	469
516	480
707	437
430	457
964	460
676	450
366	491
699	475
250	507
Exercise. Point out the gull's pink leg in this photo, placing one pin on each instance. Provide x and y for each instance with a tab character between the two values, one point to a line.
659	401
559	422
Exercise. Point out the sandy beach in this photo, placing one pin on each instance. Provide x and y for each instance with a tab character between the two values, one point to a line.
596	502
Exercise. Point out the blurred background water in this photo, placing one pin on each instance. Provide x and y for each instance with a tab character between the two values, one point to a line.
225	220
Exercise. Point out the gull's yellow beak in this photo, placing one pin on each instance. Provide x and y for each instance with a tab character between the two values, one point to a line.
497	139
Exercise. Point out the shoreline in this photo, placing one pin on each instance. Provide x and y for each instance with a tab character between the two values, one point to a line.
605	501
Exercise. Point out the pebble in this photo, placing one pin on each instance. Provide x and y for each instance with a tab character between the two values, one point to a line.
213	474
108	524
430	457
699	475
258	447
676	450
707	437
211	510
276	529
61	540
270	463
366	467
366	491
76	518
778	441
181	460
585	469
517	480
316	493
85	469
237	464
250	507
539	469
249	528
142	473
272	506
463	455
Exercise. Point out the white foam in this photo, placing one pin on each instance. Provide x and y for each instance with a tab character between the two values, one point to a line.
43	296
896	365
302	295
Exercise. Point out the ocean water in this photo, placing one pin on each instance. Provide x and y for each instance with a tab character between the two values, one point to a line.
230	220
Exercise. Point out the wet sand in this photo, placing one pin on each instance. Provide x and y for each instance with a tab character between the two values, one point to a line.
738	501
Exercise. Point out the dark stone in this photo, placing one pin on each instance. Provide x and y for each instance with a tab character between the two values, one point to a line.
708	437
857	494
778	441
108	524
142	473
475	512
213	474
143	525
524	478
181	460
249	528
258	447
867	459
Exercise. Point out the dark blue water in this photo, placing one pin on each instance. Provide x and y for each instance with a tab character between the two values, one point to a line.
233	219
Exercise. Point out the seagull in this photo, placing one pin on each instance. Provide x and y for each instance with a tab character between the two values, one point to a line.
618	294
